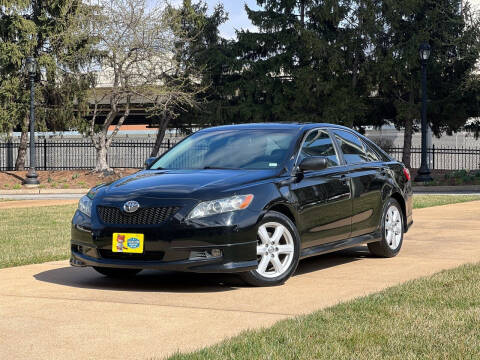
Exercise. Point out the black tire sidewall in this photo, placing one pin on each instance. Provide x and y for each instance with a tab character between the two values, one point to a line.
253	277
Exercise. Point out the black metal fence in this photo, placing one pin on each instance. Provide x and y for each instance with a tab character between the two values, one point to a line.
443	157
53	154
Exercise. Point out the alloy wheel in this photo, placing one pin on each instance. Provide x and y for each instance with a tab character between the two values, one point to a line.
275	249
393	227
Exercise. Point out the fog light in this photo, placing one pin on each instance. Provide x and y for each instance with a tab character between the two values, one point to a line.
216	252
197	255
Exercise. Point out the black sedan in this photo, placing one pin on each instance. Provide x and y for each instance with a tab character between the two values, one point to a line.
249	199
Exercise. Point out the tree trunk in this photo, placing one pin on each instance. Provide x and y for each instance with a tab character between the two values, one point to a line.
162	128
22	149
407	137
102	151
407	142
302	13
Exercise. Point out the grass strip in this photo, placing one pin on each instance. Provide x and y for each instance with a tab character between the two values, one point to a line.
423	201
34	235
429	318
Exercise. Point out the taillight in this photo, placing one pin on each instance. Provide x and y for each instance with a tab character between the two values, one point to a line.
406	172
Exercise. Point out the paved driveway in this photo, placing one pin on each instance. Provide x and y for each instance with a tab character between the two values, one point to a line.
53	311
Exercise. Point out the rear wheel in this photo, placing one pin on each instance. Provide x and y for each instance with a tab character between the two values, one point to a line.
278	251
117	272
392	231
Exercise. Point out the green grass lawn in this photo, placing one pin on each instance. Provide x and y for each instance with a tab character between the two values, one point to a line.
423	201
34	235
430	318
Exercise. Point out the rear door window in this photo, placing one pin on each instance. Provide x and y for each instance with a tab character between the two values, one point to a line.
371	154
352	147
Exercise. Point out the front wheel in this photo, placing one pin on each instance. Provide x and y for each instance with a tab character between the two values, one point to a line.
392	231
117	272
278	251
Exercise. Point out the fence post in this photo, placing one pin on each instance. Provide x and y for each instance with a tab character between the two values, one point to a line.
168	144
10	155
45	154
433	156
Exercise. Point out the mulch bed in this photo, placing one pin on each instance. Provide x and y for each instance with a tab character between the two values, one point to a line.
61	179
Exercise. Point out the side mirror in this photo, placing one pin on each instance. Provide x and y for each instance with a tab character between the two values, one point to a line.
314	163
149	162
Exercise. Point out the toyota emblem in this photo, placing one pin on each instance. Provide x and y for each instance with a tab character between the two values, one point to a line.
131	206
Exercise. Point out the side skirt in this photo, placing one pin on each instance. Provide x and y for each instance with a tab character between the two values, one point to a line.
341	244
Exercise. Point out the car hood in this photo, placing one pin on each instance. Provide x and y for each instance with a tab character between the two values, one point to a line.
196	184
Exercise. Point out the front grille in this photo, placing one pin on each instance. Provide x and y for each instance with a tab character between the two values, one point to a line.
143	216
146	256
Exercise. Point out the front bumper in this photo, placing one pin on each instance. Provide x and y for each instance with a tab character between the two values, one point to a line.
169	246
212	265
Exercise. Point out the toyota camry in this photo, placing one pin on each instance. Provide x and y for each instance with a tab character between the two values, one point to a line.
250	199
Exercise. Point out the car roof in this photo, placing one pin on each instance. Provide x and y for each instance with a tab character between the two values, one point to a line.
274	126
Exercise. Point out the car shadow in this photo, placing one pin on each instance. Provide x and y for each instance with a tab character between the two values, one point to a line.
178	282
146	281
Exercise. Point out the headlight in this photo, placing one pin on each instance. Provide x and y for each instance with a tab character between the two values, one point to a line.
207	208
85	205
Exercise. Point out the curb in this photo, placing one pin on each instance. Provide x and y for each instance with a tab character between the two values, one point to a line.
43	191
447	189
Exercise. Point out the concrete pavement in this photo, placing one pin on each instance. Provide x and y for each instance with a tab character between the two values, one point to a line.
53	311
20	197
42	194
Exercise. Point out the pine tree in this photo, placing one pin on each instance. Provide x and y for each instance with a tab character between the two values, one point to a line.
453	34
204	50
309	61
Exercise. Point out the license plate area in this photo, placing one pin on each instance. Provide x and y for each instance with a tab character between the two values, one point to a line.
127	243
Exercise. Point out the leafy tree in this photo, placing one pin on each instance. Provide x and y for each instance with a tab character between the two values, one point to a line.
46	30
137	41
201	58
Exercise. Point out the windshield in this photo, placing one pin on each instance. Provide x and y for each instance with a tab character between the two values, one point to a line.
230	149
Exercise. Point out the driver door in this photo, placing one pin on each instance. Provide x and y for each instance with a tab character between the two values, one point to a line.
324	196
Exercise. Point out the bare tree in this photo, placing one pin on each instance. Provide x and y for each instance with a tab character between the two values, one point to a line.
137	66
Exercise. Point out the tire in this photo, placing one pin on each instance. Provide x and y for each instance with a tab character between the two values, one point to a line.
392	231
116	272
278	251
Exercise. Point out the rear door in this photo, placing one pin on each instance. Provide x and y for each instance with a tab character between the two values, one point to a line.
323	196
367	177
